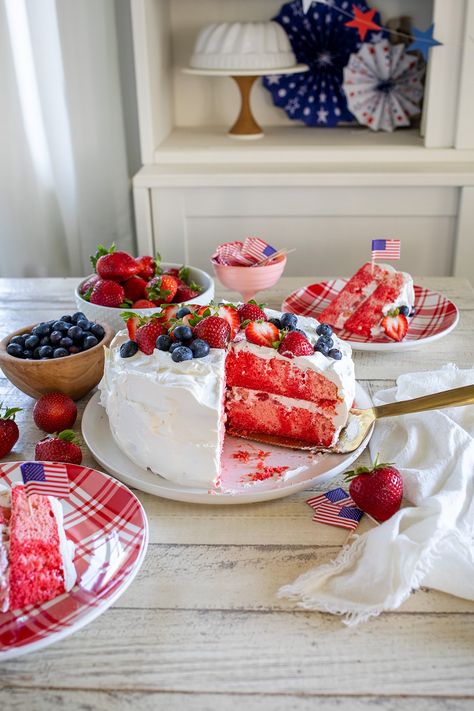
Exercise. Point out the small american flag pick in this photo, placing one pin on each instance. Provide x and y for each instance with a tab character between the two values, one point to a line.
335	508
385	249
257	249
335	496
48	479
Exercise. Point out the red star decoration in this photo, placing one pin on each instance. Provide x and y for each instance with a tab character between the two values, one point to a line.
363	21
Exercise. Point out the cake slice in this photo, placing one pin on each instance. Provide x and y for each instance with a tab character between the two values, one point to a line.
4	540
374	291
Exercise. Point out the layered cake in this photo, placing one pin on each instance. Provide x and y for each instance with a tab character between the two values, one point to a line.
36	559
378	299
269	376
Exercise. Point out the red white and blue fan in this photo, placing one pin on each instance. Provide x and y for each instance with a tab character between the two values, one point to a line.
383	85
320	39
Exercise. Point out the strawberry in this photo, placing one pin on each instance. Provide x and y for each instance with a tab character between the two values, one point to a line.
132	322
184	293
395	325
146	267
54	412
377	491
63	447
9	432
148	333
117	266
107	293
143	304
134	288
295	344
215	330
170	311
86	288
161	289
229	314
262	333
174	271
251	311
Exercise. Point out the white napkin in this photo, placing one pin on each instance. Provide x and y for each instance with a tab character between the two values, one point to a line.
428	542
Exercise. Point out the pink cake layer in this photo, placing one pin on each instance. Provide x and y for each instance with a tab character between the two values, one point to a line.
4	523
36	567
280	377
255	411
370	313
352	296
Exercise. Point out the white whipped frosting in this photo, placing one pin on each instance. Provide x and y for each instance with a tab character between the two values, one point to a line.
168	417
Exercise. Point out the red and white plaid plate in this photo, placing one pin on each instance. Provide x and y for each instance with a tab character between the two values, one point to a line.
435	316
109	528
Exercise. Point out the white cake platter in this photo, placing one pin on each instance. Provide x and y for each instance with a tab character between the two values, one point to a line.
246	466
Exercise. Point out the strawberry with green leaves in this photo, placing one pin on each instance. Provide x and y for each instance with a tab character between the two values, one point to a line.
262	333
377	491
9	431
294	344
395	325
134	288
146	267
147	334
215	330
107	292
161	289
251	311
62	447
110	264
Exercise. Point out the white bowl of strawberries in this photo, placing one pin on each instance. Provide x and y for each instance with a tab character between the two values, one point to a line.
122	282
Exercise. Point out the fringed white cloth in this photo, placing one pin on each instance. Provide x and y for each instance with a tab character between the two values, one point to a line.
429	542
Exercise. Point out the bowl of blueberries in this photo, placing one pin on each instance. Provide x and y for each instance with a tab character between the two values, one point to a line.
65	354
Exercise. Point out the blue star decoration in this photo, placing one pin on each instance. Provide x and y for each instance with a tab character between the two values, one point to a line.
423	40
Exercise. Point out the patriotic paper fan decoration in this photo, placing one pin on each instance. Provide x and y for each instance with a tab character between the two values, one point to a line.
320	39
383	85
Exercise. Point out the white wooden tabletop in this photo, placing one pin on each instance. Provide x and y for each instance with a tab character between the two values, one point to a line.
201	627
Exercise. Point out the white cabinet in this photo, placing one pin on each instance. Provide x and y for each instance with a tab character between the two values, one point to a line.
326	192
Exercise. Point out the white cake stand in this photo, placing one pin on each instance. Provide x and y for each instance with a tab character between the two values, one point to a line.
246	127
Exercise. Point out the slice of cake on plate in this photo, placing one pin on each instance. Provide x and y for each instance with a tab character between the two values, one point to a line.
376	300
269	376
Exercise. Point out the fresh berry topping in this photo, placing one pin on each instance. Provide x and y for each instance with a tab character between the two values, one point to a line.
276	322
395	327
128	349
181	353
262	333
132	325
199	348
294	344
251	311
377	491
118	266
163	342
229	313
54	412
322	347
107	293
146	267
134	288
324	329
215	330
9	432
185	293
148	333
335	353
404	310
143	304
181	313
169	311
288	321
161	289
327	340
182	333
174	346
64	447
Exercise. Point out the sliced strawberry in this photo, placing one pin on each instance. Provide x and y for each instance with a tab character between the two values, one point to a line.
215	330
229	314
295	344
134	288
148	333
161	289
143	304
169	312
395	326
262	333
132	325
251	311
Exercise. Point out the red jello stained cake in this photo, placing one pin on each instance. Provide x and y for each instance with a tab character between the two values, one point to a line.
249	372
36	559
376	300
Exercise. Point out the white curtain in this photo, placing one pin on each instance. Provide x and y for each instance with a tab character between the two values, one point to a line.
64	183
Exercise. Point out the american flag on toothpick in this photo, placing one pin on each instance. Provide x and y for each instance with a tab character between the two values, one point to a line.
47	479
385	249
257	249
336	508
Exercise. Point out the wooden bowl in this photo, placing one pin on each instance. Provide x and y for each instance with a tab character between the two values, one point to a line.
74	375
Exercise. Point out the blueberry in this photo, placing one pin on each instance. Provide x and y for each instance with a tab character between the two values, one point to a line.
19	340
128	349
14	349
66	342
181	353
322	347
174	346
404	310
74	349
163	342
75	317
76	333
335	353
44	341
89	342
60	353
288	321
42	329
276	322
66	318
97	330
61	326
199	348
184	311
413	312
55	337
36	354
327	340
27	353
31	342
45	352
84	324
182	333
324	329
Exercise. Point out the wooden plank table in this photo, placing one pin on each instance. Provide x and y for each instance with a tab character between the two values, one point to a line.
201	627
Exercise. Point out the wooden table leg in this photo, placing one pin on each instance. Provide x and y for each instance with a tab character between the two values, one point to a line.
245	126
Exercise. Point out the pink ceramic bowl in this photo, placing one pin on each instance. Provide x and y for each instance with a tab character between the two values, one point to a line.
249	280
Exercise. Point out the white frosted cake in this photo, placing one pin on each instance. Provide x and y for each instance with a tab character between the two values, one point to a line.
242	45
171	417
